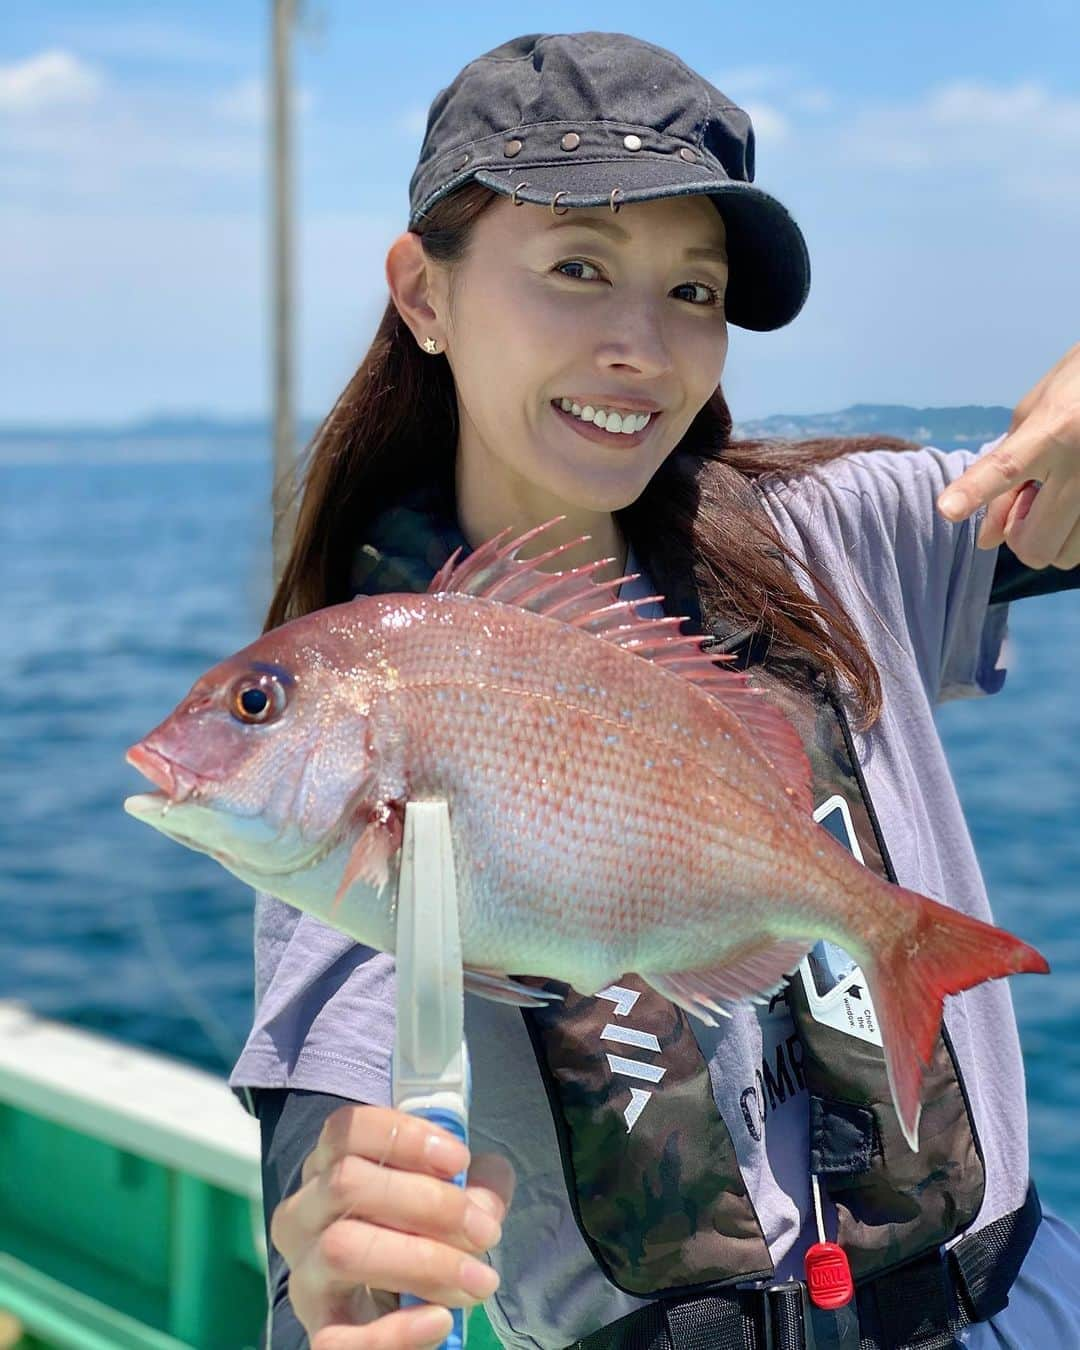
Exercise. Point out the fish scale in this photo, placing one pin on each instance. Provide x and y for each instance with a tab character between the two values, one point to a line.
620	801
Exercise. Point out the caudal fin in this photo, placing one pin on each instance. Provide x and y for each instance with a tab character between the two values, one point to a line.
940	952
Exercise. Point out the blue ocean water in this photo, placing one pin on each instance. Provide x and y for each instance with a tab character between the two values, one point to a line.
130	570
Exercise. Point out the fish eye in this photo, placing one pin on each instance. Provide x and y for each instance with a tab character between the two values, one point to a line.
258	698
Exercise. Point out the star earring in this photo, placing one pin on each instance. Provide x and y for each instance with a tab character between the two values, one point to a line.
430	346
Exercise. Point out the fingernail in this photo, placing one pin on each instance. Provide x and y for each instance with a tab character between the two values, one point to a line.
477	1279
448	1155
431	1326
481	1228
487	1202
952	503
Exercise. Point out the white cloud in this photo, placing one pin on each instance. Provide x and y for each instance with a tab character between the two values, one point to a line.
1023	139
413	121
1001	143
970	105
739	81
769	93
769	123
813	100
247	102
91	143
146	39
51	79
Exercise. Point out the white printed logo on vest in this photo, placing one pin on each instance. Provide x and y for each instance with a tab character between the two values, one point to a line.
624	1000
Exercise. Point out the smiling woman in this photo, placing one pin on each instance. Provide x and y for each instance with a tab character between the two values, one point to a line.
520	332
584	234
480	428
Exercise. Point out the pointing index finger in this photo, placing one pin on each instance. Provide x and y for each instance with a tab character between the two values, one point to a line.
1012	463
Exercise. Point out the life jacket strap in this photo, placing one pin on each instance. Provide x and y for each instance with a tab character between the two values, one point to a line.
921	1305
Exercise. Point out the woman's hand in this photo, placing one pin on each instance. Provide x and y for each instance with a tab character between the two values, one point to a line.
1032	480
376	1215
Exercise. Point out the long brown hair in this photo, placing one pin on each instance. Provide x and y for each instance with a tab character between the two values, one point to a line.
396	423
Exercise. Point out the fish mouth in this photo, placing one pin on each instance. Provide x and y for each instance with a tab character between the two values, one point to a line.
177	784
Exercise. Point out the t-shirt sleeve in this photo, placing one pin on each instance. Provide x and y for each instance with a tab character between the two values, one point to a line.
877	519
324	1009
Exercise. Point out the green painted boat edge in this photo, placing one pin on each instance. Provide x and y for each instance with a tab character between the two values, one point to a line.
128	1159
63	1317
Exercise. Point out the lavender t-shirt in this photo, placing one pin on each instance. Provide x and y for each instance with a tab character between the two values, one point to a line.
917	588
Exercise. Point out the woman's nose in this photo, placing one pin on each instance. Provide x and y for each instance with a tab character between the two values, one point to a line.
636	339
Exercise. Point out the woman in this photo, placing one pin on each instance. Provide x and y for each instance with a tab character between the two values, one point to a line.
582	231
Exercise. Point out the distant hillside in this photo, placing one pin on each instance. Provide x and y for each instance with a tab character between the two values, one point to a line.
205	438
174	439
946	428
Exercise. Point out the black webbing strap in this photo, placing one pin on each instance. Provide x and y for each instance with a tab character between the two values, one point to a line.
919	1306
989	1261
755	1315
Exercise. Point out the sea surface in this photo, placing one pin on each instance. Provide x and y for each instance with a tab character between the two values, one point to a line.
130	569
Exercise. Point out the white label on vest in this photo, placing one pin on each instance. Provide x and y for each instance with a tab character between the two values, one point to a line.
836	991
848	1007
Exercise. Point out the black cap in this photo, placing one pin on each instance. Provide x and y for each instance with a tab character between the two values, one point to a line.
589	115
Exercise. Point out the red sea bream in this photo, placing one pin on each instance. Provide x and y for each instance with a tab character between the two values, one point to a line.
619	800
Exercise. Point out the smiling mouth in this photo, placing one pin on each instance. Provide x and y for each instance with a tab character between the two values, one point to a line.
616	439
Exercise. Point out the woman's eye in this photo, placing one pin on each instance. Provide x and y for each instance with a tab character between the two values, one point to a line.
575	262
715	296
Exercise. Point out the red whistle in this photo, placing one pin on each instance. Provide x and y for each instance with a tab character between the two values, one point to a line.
828	1275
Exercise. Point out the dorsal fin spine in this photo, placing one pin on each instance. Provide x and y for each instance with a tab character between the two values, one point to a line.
493	593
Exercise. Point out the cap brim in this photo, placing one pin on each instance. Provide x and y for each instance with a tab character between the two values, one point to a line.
768	262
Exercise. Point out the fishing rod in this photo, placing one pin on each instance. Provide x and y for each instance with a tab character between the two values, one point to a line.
430	1068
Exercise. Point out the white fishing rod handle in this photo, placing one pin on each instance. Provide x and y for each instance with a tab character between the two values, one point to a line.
449	1111
430	1070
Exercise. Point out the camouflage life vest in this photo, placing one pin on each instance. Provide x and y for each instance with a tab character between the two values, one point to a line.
657	1193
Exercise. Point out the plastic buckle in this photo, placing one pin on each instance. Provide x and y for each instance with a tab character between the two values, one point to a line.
777	1313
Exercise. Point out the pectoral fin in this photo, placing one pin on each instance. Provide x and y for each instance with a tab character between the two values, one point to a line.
500	988
379	841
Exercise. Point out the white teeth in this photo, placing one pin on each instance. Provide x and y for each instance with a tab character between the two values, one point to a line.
626	423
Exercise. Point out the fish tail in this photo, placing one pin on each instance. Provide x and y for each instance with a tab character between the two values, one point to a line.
938	951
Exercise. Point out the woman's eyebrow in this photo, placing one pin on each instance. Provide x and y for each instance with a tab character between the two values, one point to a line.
617	232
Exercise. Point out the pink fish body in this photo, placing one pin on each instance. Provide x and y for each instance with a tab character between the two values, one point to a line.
619	801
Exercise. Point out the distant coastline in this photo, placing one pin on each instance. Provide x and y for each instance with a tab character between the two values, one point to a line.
201	439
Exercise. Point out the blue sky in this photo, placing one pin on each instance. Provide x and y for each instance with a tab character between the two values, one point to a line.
930	152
